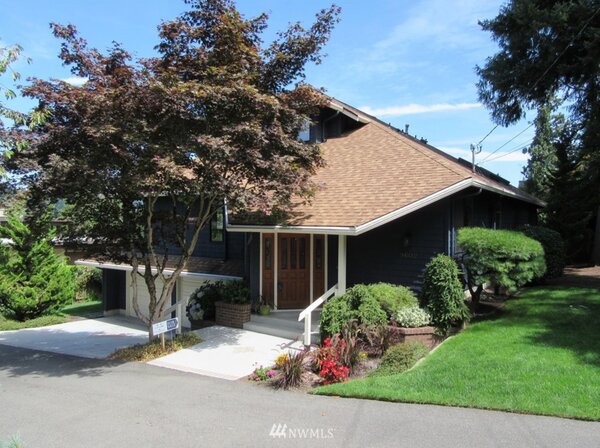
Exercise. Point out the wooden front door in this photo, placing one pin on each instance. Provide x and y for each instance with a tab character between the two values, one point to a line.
293	285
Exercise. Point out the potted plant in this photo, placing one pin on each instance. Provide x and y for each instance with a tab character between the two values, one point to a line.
200	309
234	308
261	307
264	310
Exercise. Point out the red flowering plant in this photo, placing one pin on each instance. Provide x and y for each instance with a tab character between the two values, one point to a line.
326	361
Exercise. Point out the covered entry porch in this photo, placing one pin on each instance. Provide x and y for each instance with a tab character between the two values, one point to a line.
296	268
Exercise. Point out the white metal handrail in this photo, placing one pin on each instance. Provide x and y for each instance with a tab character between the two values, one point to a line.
306	314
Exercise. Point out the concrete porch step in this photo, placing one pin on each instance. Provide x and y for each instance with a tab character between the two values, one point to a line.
283	325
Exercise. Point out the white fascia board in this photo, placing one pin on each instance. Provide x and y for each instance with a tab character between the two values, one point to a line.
353	231
506	192
428	200
120	267
292	229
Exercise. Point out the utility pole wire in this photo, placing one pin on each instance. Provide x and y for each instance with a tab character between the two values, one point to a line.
503	145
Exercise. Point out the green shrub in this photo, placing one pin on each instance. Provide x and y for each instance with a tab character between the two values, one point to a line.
500	257
554	249
336	312
370	313
400	357
412	317
443	295
357	304
34	280
392	297
235	291
88	283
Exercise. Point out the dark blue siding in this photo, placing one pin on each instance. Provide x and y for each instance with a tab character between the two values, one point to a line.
398	252
231	248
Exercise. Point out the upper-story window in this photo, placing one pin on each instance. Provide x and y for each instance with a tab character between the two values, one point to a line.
217	227
304	134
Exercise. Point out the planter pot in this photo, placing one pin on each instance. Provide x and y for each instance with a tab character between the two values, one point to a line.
264	310
232	314
425	335
197	324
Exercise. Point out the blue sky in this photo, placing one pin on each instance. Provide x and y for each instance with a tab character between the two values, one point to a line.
407	62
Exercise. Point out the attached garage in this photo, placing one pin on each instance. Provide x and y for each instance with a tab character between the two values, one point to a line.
117	292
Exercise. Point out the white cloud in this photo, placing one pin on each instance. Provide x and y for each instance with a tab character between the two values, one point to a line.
411	109
500	156
76	81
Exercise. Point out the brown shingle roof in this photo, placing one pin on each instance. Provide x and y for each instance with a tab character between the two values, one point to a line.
376	170
370	172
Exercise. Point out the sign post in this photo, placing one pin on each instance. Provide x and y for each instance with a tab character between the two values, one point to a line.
164	326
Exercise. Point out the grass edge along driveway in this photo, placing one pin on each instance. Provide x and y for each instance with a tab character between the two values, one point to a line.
540	356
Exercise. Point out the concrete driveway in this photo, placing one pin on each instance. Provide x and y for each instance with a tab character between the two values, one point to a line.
88	338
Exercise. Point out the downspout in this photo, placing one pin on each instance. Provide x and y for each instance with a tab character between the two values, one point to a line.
323	139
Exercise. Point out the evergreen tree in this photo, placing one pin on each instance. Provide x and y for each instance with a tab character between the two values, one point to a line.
550	49
34	280
542	153
569	202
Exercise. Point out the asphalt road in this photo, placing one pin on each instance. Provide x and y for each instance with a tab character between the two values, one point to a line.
53	400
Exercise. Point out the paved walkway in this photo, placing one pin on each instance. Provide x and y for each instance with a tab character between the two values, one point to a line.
90	338
228	353
61	401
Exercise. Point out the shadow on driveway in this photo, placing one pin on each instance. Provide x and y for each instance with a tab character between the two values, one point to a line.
17	362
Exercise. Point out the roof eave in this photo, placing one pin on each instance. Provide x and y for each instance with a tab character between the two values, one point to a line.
388	217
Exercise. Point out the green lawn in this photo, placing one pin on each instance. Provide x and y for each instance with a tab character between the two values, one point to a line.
540	356
78	309
83	309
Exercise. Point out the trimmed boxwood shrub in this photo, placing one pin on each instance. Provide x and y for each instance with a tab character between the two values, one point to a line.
554	249
443	295
500	257
356	304
393	297
400	357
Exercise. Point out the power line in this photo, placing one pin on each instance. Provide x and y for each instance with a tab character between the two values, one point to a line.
520	147
585	25
507	142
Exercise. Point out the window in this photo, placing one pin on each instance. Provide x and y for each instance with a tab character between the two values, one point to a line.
217	227
319	253
293	253
268	253
284	253
304	134
302	261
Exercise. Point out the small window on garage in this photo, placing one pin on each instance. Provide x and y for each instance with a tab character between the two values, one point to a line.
217	227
